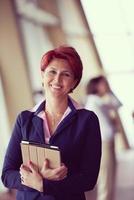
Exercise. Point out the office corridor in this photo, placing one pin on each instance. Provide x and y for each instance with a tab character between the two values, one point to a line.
125	177
124	183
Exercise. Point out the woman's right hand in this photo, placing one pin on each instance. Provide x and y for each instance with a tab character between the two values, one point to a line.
56	174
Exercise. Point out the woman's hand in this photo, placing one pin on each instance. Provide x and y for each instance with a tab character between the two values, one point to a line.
56	174
30	177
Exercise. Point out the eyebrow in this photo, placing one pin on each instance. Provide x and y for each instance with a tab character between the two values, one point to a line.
64	70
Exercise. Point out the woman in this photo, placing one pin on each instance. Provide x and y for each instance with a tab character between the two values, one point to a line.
58	121
101	100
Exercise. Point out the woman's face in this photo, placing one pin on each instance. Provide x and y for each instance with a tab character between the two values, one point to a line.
102	88
58	78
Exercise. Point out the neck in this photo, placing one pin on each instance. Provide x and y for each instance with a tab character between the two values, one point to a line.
56	106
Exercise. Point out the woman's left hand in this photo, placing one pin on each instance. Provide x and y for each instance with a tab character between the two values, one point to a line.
31	177
55	174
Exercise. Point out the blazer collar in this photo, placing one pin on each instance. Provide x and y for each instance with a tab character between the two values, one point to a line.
42	106
38	122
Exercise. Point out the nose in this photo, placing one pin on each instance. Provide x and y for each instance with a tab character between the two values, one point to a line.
57	78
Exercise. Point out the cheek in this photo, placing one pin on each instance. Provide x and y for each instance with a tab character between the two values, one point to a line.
46	82
73	83
70	84
46	79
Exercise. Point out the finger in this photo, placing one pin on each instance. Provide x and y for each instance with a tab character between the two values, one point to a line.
58	178
45	164
22	179
63	169
23	182
22	170
63	177
32	167
62	164
59	172
20	173
62	174
24	175
22	167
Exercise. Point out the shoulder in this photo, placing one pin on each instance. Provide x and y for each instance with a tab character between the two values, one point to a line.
88	122
27	114
82	112
23	116
92	100
86	114
93	97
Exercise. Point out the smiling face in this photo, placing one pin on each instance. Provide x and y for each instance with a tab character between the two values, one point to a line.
58	78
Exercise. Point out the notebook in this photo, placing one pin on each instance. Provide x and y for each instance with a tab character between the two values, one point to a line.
37	153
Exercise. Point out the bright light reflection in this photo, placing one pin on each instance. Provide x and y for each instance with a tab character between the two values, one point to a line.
112	25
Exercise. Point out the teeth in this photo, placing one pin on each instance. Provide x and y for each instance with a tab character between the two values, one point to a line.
56	87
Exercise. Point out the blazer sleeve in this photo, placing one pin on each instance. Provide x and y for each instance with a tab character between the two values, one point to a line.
10	173
86	178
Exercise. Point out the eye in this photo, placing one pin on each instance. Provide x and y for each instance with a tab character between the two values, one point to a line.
66	74
52	72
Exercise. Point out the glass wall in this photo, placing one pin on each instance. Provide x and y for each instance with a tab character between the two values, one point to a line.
112	27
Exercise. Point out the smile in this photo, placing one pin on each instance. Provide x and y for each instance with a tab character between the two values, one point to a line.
56	87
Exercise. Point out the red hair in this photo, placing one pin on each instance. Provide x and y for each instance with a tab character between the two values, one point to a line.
68	53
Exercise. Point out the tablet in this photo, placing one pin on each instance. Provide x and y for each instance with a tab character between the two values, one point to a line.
37	153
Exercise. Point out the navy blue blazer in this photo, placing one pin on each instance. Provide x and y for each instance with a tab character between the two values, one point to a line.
77	136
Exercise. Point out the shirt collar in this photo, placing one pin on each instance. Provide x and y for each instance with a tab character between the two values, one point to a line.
72	104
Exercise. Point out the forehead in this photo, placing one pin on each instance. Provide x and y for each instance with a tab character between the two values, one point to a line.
58	63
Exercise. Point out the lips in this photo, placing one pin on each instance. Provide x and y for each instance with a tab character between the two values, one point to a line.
56	87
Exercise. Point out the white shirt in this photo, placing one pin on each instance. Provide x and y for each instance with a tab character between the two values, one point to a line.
104	107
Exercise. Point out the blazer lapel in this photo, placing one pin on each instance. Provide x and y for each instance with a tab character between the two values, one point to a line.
38	126
67	120
64	124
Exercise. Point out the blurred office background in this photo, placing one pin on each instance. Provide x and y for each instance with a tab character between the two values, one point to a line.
103	34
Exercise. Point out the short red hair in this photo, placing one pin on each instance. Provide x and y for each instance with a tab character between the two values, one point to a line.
68	53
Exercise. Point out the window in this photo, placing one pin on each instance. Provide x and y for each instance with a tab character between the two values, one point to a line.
112	27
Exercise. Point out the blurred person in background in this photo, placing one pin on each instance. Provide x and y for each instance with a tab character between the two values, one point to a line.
101	100
57	121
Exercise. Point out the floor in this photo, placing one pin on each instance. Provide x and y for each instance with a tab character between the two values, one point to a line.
124	183
125	178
